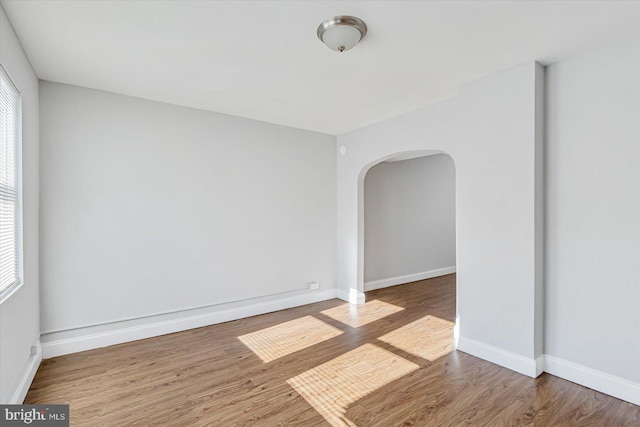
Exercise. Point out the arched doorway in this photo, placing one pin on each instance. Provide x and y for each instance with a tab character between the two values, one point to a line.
409	220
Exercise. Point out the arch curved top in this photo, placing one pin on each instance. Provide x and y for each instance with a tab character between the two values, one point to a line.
397	156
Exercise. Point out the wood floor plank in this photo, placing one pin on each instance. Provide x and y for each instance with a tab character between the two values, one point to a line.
387	363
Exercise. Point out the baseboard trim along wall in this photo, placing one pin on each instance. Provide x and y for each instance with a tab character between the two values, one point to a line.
399	280
596	380
351	296
611	385
342	294
26	376
60	343
516	362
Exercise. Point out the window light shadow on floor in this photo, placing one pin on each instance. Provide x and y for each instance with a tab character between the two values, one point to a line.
331	387
360	315
435	337
289	337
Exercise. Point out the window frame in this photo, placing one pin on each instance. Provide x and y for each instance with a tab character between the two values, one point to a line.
6	293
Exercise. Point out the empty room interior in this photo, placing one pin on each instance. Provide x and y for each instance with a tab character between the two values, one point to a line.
354	213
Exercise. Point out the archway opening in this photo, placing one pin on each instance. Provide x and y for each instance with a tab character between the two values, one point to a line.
409	220
408	235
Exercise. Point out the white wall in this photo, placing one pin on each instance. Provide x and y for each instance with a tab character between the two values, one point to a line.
593	215
19	314
491	130
409	217
149	208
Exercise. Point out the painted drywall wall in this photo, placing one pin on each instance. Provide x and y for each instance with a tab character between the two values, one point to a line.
409	217
19	314
593	211
149	208
491	131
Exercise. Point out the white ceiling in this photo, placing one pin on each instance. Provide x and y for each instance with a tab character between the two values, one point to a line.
262	59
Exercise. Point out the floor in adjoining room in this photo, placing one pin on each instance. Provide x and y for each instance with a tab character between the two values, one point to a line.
387	363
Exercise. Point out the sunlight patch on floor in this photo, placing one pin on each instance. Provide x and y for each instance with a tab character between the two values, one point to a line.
429	337
286	338
360	315
331	387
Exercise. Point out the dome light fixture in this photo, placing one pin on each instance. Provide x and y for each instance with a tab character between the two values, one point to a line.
342	32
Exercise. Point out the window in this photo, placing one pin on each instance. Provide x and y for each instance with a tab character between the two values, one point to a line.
10	183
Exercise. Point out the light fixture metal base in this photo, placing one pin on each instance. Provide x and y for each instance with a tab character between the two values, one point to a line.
336	21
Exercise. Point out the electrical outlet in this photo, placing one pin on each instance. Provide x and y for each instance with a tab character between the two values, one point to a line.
314	285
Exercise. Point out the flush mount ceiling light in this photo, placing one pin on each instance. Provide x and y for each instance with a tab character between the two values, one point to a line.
341	33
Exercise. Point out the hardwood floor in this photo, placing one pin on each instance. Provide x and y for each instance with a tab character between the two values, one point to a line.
388	363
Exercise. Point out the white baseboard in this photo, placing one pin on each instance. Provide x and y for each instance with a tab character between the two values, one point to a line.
342	294
356	297
352	296
539	365
57	343
516	362
392	281
596	380
612	385
26	376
